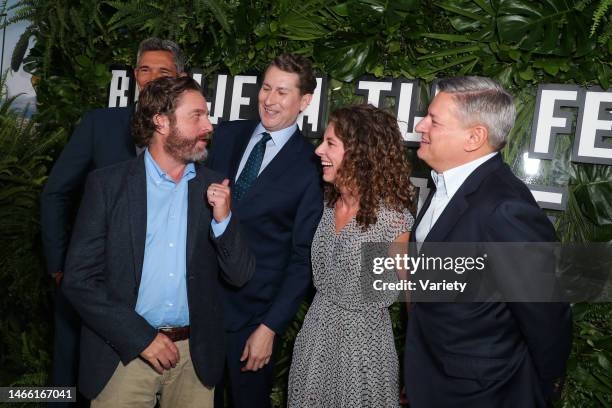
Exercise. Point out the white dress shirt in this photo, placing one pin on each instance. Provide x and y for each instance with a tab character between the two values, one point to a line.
447	184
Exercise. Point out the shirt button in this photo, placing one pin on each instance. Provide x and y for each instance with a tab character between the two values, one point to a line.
171	274
171	245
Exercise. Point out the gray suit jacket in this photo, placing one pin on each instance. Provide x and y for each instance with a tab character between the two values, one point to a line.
104	267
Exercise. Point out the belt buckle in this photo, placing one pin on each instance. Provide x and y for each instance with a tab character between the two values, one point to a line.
166	329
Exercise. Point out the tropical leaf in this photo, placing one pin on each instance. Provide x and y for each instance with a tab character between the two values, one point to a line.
397	11
296	26
346	61
448	37
593	195
452	51
599	14
133	13
468	16
549	27
20	48
220	10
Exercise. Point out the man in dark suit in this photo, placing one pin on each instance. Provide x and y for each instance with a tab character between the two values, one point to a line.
102	138
278	200
145	257
480	354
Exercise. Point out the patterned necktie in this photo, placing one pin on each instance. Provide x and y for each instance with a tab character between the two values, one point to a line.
251	168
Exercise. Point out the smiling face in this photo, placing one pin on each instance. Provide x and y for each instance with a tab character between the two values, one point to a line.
153	65
331	152
280	99
190	130
444	136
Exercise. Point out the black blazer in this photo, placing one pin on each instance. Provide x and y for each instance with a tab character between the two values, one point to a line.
102	138
279	215
487	354
104	267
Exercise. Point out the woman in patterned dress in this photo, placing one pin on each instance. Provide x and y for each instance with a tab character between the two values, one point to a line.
344	355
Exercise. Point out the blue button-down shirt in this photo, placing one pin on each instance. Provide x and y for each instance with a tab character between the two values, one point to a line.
162	295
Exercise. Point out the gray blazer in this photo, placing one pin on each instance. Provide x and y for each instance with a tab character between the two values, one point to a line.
104	267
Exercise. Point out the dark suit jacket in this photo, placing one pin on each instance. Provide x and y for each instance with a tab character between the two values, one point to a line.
487	354
102	138
279	215
104	267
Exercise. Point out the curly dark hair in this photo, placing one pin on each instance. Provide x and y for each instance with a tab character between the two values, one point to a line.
296	64
374	166
161	96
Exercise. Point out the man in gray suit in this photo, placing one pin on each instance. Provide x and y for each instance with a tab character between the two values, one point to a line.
150	240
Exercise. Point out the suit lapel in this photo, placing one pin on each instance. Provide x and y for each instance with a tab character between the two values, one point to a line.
422	212
239	149
137	202
447	219
195	195
459	203
275	169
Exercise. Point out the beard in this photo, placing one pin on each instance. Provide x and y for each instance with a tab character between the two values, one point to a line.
185	149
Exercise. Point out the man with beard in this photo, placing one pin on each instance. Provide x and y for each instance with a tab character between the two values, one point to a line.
144	260
102	138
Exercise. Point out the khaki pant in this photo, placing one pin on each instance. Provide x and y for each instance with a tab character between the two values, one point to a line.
137	384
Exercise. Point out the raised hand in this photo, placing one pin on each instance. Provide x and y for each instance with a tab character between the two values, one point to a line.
219	197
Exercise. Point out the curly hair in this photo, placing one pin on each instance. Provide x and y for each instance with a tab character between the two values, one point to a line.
161	96
374	165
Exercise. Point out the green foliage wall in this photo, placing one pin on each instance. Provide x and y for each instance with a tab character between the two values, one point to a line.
520	43
25	318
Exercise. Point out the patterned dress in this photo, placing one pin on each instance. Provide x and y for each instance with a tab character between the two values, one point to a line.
344	355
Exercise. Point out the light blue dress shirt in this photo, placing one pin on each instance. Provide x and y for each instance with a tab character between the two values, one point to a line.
162	295
218	228
274	145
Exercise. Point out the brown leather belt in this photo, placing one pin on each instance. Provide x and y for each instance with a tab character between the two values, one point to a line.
175	333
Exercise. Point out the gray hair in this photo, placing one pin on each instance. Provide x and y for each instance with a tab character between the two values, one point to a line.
156	44
483	101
